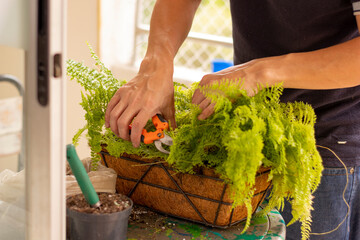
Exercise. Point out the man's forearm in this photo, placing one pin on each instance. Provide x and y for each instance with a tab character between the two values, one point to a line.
170	24
330	68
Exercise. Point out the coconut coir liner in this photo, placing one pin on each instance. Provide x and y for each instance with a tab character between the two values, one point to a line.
202	197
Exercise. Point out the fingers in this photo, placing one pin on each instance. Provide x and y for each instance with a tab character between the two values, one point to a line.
123	123
198	97
113	102
122	116
119	115
136	110
169	113
171	119
114	116
137	126
207	109
204	104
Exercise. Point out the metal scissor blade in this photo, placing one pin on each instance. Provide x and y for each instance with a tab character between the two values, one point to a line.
159	147
166	140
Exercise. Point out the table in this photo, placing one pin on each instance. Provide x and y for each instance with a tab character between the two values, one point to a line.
146	225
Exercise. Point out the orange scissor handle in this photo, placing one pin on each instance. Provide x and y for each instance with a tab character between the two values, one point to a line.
160	124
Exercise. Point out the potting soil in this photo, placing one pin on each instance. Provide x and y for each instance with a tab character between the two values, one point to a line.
110	203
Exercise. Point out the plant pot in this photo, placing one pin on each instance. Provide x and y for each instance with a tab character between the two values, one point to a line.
95	226
202	198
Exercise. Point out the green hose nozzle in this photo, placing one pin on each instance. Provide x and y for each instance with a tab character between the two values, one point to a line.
82	177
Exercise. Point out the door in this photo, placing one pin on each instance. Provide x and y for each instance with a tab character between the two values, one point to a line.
36	29
44	106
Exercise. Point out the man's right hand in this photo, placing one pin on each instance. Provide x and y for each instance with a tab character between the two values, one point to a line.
150	92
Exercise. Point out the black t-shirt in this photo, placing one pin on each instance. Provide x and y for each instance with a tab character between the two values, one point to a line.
263	28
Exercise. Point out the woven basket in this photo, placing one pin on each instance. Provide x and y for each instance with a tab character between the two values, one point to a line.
202	198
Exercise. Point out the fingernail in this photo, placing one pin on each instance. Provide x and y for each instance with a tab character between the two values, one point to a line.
135	145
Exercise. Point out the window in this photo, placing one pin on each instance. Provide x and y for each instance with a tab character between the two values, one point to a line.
125	28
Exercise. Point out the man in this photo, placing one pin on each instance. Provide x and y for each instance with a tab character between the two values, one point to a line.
312	47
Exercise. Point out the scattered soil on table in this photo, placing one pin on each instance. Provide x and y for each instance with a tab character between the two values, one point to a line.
142	215
144	218
110	203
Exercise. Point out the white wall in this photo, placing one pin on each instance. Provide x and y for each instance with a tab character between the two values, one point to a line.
13	17
82	27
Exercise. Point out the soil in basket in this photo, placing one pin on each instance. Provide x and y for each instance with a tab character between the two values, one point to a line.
110	203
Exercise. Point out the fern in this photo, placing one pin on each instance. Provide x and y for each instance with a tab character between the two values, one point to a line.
243	134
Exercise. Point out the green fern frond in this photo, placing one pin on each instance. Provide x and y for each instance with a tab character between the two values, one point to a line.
78	134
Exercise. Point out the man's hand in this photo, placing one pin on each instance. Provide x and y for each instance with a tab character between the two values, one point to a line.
328	68
152	90
149	93
247	72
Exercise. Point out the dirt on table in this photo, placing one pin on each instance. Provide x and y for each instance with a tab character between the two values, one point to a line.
141	215
110	203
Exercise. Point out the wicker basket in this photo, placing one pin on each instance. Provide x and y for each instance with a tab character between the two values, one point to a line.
203	198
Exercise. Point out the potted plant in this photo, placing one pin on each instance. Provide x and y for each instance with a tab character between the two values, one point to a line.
93	215
109	222
244	136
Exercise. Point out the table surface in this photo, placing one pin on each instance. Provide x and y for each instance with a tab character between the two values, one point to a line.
146	225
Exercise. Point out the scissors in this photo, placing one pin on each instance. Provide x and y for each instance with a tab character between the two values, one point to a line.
158	137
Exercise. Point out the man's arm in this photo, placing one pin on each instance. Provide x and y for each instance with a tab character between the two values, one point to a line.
329	68
151	91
